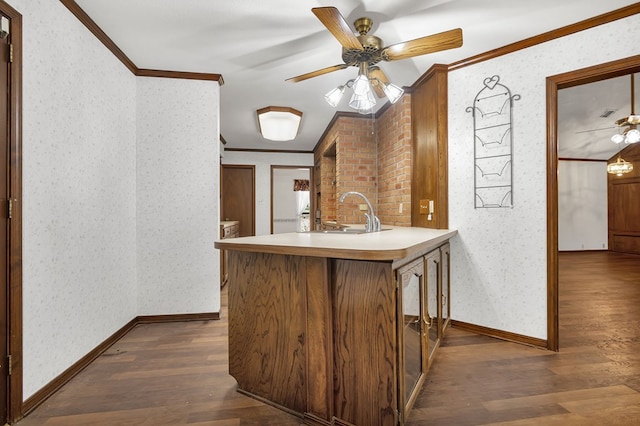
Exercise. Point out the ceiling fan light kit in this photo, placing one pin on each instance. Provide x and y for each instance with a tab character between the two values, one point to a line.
365	51
279	123
630	134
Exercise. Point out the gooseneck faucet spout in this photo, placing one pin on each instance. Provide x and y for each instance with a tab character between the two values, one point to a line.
373	223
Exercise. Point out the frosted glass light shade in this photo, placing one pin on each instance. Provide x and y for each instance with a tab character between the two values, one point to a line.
392	92
617	138
334	96
361	85
633	136
279	123
362	103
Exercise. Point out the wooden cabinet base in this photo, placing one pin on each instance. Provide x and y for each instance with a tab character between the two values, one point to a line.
315	336
319	337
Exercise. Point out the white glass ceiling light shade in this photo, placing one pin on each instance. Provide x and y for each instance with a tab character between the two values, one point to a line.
392	92
334	96
363	99
619	167
279	123
361	85
362	103
631	134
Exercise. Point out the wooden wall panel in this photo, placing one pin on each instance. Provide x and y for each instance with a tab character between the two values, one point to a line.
319	339
624	205
267	326
364	319
430	156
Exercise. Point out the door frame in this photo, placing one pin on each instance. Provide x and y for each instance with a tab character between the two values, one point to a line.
554	83
311	201
251	167
14	266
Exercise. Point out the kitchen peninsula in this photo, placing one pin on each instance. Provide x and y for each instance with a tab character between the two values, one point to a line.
337	327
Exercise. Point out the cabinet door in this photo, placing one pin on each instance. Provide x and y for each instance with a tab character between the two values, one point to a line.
445	271
432	313
411	332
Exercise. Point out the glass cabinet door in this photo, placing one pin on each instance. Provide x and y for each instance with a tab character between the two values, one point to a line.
432	262
412	333
445	269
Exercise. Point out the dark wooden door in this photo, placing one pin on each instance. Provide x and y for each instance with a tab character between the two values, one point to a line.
4	222
238	196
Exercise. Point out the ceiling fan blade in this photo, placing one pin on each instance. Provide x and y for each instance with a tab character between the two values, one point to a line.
335	23
317	73
423	45
377	73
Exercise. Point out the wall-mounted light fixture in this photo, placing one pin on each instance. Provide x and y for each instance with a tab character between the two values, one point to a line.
630	134
279	123
368	80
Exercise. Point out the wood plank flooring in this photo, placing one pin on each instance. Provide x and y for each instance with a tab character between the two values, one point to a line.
176	373
593	380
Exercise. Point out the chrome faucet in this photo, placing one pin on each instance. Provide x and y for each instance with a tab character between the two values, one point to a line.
373	223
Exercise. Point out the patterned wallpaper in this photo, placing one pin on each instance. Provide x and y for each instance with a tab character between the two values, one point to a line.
499	256
79	231
178	156
101	244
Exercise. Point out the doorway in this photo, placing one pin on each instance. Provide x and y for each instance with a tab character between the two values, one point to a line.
11	240
238	195
555	83
291	204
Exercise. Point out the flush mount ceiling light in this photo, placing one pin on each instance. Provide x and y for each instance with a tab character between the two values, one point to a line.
619	167
630	134
279	123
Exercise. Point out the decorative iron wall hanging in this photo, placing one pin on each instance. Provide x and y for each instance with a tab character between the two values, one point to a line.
493	144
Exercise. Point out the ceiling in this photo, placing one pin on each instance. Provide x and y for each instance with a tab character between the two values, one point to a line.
256	44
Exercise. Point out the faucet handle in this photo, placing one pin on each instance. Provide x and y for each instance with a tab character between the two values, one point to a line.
376	224
369	225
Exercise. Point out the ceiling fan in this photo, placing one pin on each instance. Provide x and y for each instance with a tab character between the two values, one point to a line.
366	51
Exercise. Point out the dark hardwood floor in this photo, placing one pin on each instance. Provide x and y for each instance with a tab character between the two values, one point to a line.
176	373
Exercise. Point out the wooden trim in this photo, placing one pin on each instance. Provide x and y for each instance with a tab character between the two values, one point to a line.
605	18
582	159
313	420
50	388
180	74
553	84
14	283
279	151
350	114
431	72
153	319
54	385
91	25
552	218
499	334
100	35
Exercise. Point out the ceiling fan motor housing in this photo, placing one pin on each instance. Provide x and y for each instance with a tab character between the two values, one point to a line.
371	52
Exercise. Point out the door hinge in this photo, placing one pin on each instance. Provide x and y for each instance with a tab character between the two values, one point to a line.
400	421
11	53
9	367
10	208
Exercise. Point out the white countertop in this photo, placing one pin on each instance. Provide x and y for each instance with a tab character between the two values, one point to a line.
392	244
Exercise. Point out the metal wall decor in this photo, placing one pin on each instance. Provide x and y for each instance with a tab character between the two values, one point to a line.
493	144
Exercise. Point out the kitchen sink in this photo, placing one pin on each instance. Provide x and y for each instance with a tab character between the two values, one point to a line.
344	231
